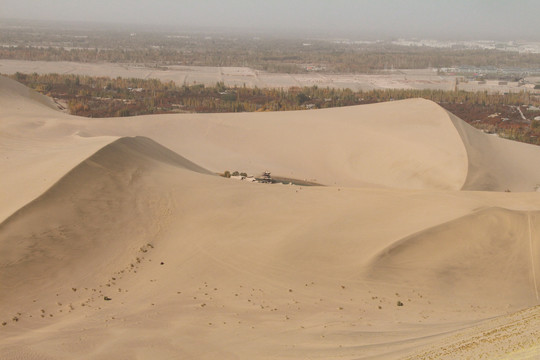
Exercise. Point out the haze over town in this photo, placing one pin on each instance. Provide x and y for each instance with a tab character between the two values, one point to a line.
443	19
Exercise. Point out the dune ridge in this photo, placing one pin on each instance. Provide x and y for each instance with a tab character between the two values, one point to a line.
14	94
127	154
403	144
496	164
79	214
388	144
128	249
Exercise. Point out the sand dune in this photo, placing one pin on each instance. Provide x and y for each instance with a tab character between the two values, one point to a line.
491	253
127	249
14	94
80	215
37	147
497	164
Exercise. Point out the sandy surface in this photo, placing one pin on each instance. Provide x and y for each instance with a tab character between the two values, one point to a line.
118	241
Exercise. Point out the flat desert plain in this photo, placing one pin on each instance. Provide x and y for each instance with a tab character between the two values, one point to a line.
240	76
119	241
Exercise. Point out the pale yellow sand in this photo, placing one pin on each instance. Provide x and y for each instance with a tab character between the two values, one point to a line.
202	267
36	149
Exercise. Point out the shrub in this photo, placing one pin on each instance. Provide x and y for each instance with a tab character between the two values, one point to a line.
123	113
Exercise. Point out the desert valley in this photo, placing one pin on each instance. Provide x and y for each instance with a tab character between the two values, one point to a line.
388	230
118	239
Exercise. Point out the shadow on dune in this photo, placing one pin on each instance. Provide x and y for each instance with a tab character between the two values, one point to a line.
491	255
496	164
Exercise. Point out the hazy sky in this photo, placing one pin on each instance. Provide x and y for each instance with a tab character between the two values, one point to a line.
478	19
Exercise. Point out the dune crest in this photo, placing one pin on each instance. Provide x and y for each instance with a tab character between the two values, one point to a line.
16	95
409	144
496	164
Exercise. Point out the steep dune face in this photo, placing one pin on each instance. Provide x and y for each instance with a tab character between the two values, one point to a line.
490	254
16	95
496	164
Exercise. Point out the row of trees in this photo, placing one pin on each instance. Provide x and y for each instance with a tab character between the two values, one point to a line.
289	59
105	97
31	41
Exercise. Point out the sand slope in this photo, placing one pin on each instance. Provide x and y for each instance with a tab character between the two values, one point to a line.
379	145
497	164
492	253
130	250
514	336
37	147
16	95
80	214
